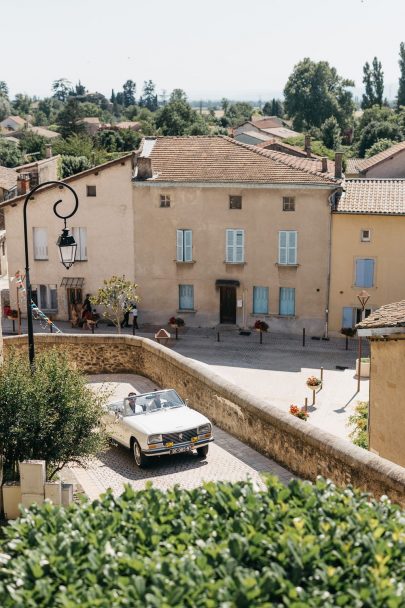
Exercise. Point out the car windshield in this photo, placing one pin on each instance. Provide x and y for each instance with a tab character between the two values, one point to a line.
151	402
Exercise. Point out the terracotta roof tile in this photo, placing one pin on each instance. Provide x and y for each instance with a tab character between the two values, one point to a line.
352	165
8	178
390	315
223	159
366	163
384	196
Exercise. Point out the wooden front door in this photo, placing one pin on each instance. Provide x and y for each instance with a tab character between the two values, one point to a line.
227	311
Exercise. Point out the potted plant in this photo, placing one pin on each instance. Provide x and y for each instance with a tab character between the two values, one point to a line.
299	412
261	325
365	367
348	331
176	322
314	383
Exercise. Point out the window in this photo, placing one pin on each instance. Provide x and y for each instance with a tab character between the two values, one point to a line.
40	243
364	273
235	202
235	246
288	203
184	245
348	316
366	236
287	301
260	300
165	200
91	190
186	297
287	247
80	236
45	296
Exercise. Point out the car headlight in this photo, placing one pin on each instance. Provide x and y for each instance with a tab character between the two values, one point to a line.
155	439
204	429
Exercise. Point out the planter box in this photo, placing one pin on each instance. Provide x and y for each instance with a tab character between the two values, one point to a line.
32	476
314	388
67	494
30	499
364	369
11	499
53	492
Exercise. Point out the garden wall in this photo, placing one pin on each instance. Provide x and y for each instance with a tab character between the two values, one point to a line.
297	445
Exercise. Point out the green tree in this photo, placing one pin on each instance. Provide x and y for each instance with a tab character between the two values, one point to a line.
10	154
131	139
224	104
109	140
22	104
47	415
3	89
81	145
69	119
5	107
32	143
273	108
117	296
401	87
128	93
88	108
331	135
375	131
373	79
178	118
70	165
315	92
149	98
379	146
62	88
80	89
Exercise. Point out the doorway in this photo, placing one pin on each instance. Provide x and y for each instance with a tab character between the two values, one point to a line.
227	306
74	298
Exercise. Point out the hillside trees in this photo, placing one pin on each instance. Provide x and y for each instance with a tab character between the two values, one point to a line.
69	119
315	92
373	79
401	82
62	88
10	154
178	118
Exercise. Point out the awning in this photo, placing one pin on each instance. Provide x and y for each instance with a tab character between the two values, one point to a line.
72	282
226	283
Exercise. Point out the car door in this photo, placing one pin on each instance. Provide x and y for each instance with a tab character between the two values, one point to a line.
113	420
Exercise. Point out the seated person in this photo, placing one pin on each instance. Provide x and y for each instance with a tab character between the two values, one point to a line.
131	403
155	403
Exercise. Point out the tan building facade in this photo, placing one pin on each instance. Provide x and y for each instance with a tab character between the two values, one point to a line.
368	230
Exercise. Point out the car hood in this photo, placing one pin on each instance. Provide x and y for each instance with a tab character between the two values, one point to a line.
167	421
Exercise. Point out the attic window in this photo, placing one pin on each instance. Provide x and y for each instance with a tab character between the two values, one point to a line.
91	190
365	236
235	202
288	203
165	200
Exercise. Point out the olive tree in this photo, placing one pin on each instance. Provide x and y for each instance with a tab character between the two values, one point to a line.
117	296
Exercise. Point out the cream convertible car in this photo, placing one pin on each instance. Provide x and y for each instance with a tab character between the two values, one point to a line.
158	423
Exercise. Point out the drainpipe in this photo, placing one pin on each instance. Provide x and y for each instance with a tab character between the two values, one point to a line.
333	198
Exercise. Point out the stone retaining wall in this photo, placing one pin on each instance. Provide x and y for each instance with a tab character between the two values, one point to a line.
297	445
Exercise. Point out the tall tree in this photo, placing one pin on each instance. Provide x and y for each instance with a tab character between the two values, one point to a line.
22	104
378	78
368	100
149	97
128	92
80	89
69	119
373	80
3	89
178	118
273	108
62	88
401	88
330	131
5	108
314	92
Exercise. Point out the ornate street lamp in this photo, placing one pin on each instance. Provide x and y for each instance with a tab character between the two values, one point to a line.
67	250
363	297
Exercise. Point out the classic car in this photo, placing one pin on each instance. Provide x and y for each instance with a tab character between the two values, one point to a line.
156	424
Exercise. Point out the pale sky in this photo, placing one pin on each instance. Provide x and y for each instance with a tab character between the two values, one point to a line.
210	48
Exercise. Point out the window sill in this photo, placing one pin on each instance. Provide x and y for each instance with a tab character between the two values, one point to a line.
287	265
234	263
41	259
184	263
186	310
86	260
260	314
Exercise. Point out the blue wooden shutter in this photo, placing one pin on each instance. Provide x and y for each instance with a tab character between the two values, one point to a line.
282	247
287	301
260	300
291	247
364	273
230	239
180	246
348	316
239	246
188	245
186	297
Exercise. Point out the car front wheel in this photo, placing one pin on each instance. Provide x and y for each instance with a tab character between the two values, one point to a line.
203	451
140	458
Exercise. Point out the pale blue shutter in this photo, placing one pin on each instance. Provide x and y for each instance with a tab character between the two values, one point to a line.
282	247
348	317
291	247
287	301
40	243
180	246
230	245
239	246
364	273
186	297
260	300
188	245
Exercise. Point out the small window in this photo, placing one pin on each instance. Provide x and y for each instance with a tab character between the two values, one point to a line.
235	202
184	246
287	301
364	273
260	300
366	236
80	236
287	247
186	297
165	200
288	203
91	190
40	243
235	246
45	296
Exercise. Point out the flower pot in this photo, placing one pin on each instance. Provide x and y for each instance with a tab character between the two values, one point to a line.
315	387
364	369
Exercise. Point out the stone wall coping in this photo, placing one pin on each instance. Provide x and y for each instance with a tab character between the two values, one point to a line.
390	473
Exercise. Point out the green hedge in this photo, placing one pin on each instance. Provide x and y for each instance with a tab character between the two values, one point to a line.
225	545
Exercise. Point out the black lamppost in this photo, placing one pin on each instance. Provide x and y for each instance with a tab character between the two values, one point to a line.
363	297
67	249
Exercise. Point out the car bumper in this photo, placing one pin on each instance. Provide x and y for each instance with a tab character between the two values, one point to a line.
188	444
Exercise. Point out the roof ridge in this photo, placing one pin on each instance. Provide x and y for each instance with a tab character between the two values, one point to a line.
286	159
371	161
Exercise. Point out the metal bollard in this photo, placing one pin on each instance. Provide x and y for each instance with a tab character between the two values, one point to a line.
218	340
177	333
133	327
303	336
306	404
321	374
51	328
92	327
347	342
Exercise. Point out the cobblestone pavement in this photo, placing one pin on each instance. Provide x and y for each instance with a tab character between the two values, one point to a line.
228	459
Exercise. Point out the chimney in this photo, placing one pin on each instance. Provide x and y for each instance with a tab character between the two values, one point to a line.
23	183
324	164
307	145
144	165
48	151
338	164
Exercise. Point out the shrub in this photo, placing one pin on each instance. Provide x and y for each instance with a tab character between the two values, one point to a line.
47	415
177	321
221	545
359	420
261	325
348	331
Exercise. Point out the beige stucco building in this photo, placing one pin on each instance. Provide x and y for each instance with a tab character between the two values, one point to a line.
368	227
387	164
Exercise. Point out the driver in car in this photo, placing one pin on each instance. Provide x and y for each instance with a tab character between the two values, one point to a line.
131	401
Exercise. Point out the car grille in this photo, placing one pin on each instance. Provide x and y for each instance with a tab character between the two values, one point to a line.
181	437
